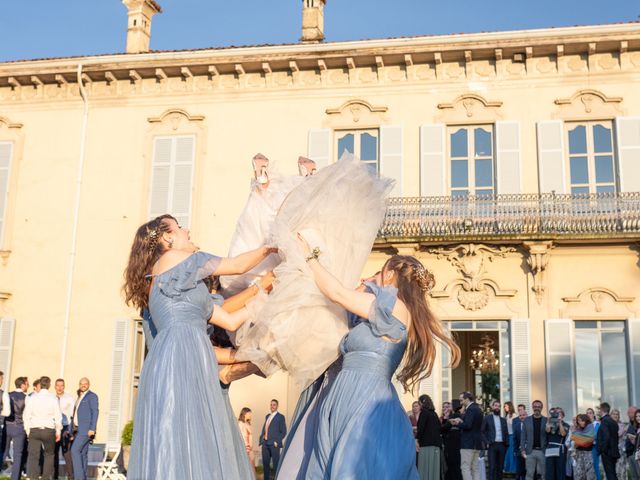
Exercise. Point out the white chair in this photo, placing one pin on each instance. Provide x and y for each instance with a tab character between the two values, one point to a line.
107	468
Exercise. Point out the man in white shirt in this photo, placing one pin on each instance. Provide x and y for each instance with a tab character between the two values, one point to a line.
42	424
495	435
67	404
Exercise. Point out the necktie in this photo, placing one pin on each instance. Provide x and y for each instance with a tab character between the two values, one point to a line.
266	428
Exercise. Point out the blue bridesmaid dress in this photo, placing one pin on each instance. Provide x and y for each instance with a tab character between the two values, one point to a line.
182	427
356	427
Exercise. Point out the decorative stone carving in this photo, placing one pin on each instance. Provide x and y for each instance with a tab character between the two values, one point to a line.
607	61
175	116
473	288
596	301
538	259
356	111
588	103
545	65
469	105
577	64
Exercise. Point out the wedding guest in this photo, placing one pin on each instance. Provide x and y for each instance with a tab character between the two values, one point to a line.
446	411
594	452
583	438
413	417
272	438
631	442
85	420
622	463
471	436
495	435
244	423
533	442
451	439
429	441
518	425
555	458
607	441
42	424
509	457
14	425
66	403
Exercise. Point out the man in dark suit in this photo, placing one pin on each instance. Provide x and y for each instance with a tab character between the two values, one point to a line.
85	419
271	438
533	441
470	436
518	425
14	425
607	441
495	436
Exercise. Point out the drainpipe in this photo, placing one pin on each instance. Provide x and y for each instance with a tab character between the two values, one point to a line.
76	213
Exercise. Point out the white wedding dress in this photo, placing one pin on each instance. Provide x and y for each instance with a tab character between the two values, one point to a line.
296	328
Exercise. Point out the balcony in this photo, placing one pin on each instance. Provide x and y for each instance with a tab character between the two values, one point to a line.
606	216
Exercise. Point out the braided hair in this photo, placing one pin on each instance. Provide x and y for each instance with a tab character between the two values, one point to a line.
145	252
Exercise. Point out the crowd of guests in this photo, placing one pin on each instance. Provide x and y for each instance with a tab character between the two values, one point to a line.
463	443
271	439
39	426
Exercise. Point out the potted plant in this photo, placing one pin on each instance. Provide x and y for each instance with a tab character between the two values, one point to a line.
127	435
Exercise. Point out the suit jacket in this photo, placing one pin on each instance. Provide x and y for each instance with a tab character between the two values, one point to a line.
489	430
277	431
607	438
471	428
526	438
517	434
87	413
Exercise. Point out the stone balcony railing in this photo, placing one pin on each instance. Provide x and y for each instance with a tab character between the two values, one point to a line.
517	217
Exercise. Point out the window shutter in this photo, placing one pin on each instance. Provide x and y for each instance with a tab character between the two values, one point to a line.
560	369
5	166
319	147
508	167
433	171
118	368
551	167
7	328
520	362
633	325
391	156
431	384
628	133
172	177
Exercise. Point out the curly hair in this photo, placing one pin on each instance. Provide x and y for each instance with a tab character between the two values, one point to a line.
414	283
145	252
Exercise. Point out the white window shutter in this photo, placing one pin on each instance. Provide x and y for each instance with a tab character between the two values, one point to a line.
508	166
7	328
432	384
633	325
172	177
391	156
628	133
6	149
560	359
551	165
433	171
520	361
118	369
320	146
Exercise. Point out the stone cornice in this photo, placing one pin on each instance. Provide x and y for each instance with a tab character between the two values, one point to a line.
470	56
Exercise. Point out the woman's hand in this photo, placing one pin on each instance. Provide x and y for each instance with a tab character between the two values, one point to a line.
303	244
266	281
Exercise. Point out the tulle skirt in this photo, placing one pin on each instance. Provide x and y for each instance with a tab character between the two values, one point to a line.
296	328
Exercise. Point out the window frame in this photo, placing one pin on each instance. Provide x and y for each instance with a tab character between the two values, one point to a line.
471	177
591	154
338	134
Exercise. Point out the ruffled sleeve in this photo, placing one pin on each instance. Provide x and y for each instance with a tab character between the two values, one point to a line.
383	323
186	275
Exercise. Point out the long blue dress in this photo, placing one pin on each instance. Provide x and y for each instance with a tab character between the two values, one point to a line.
356	427
182	428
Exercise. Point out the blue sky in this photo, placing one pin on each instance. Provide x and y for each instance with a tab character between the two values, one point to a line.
45	28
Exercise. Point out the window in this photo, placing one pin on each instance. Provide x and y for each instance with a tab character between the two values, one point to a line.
471	160
6	149
172	177
601	364
591	157
363	144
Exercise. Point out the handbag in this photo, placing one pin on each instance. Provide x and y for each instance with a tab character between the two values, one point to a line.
552	451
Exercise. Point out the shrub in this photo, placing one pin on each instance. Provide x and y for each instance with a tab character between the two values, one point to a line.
127	433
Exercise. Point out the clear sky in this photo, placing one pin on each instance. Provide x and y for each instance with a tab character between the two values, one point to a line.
58	28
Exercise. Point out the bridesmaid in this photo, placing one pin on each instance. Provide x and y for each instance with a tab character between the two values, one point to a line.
183	431
395	325
509	458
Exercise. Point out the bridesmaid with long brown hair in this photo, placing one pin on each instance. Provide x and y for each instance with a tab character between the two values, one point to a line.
358	428
181	427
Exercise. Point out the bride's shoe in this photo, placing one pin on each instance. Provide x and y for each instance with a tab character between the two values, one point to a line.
236	371
260	164
306	167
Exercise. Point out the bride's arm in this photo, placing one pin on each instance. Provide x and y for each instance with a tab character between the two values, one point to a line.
244	262
355	301
225	356
229	321
239	300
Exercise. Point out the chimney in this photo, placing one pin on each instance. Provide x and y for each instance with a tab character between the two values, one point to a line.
313	21
139	24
